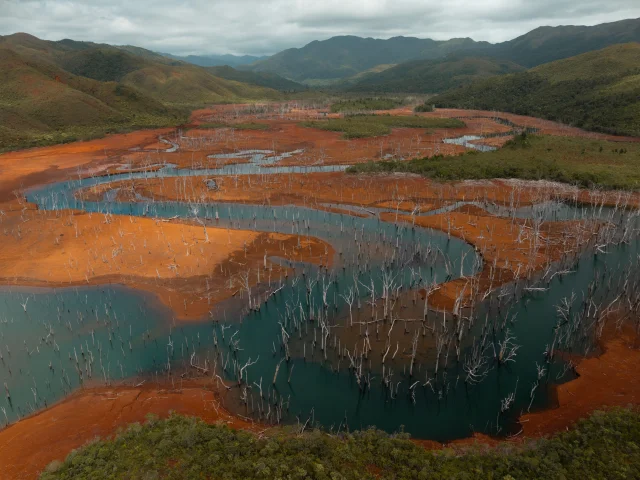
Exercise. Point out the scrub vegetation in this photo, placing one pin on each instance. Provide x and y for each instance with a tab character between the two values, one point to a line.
603	446
580	161
361	126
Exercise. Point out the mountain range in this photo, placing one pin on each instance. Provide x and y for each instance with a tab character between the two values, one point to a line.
58	91
216	60
340	60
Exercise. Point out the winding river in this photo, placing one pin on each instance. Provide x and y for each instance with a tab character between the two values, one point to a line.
119	334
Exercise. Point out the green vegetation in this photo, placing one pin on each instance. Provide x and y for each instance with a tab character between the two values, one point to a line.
604	446
423	107
365	104
361	126
587	163
342	57
332	61
597	91
262	79
433	76
237	126
56	92
547	44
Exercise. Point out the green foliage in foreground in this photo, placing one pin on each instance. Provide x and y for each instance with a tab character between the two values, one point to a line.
360	126
237	126
584	162
604	446
365	104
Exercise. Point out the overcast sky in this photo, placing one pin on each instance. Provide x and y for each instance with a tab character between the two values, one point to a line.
262	27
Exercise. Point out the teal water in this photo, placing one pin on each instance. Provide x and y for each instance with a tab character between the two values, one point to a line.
119	334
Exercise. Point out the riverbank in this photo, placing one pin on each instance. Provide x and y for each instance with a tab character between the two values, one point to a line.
28	446
190	268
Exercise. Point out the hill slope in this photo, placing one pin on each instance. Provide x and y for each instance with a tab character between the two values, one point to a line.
52	92
338	58
546	44
597	91
42	104
346	56
432	76
216	60
262	79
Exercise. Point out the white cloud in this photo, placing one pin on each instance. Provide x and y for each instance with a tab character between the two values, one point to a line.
258	27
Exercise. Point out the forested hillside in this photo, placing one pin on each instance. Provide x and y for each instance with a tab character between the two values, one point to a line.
598	91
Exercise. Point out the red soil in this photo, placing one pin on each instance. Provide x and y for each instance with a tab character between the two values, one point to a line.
608	380
26	168
28	446
187	270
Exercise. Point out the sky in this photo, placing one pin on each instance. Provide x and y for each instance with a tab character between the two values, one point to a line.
258	27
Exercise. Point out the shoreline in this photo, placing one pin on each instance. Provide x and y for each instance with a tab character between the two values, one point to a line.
51	433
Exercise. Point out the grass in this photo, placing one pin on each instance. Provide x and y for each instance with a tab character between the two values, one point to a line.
579	161
365	105
362	126
605	446
237	126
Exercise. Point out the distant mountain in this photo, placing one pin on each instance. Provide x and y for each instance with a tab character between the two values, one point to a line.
338	58
262	79
60	91
216	60
433	76
346	56
597	90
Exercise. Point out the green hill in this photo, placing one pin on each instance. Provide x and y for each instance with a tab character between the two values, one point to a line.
433	76
597	91
342	57
54	92
261	79
216	60
546	44
41	104
332	61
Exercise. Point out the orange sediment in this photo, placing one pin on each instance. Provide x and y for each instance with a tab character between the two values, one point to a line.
28	446
188	266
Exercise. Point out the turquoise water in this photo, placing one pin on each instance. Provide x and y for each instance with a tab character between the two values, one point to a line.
118	334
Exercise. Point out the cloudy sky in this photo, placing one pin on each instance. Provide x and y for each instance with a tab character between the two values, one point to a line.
262	27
